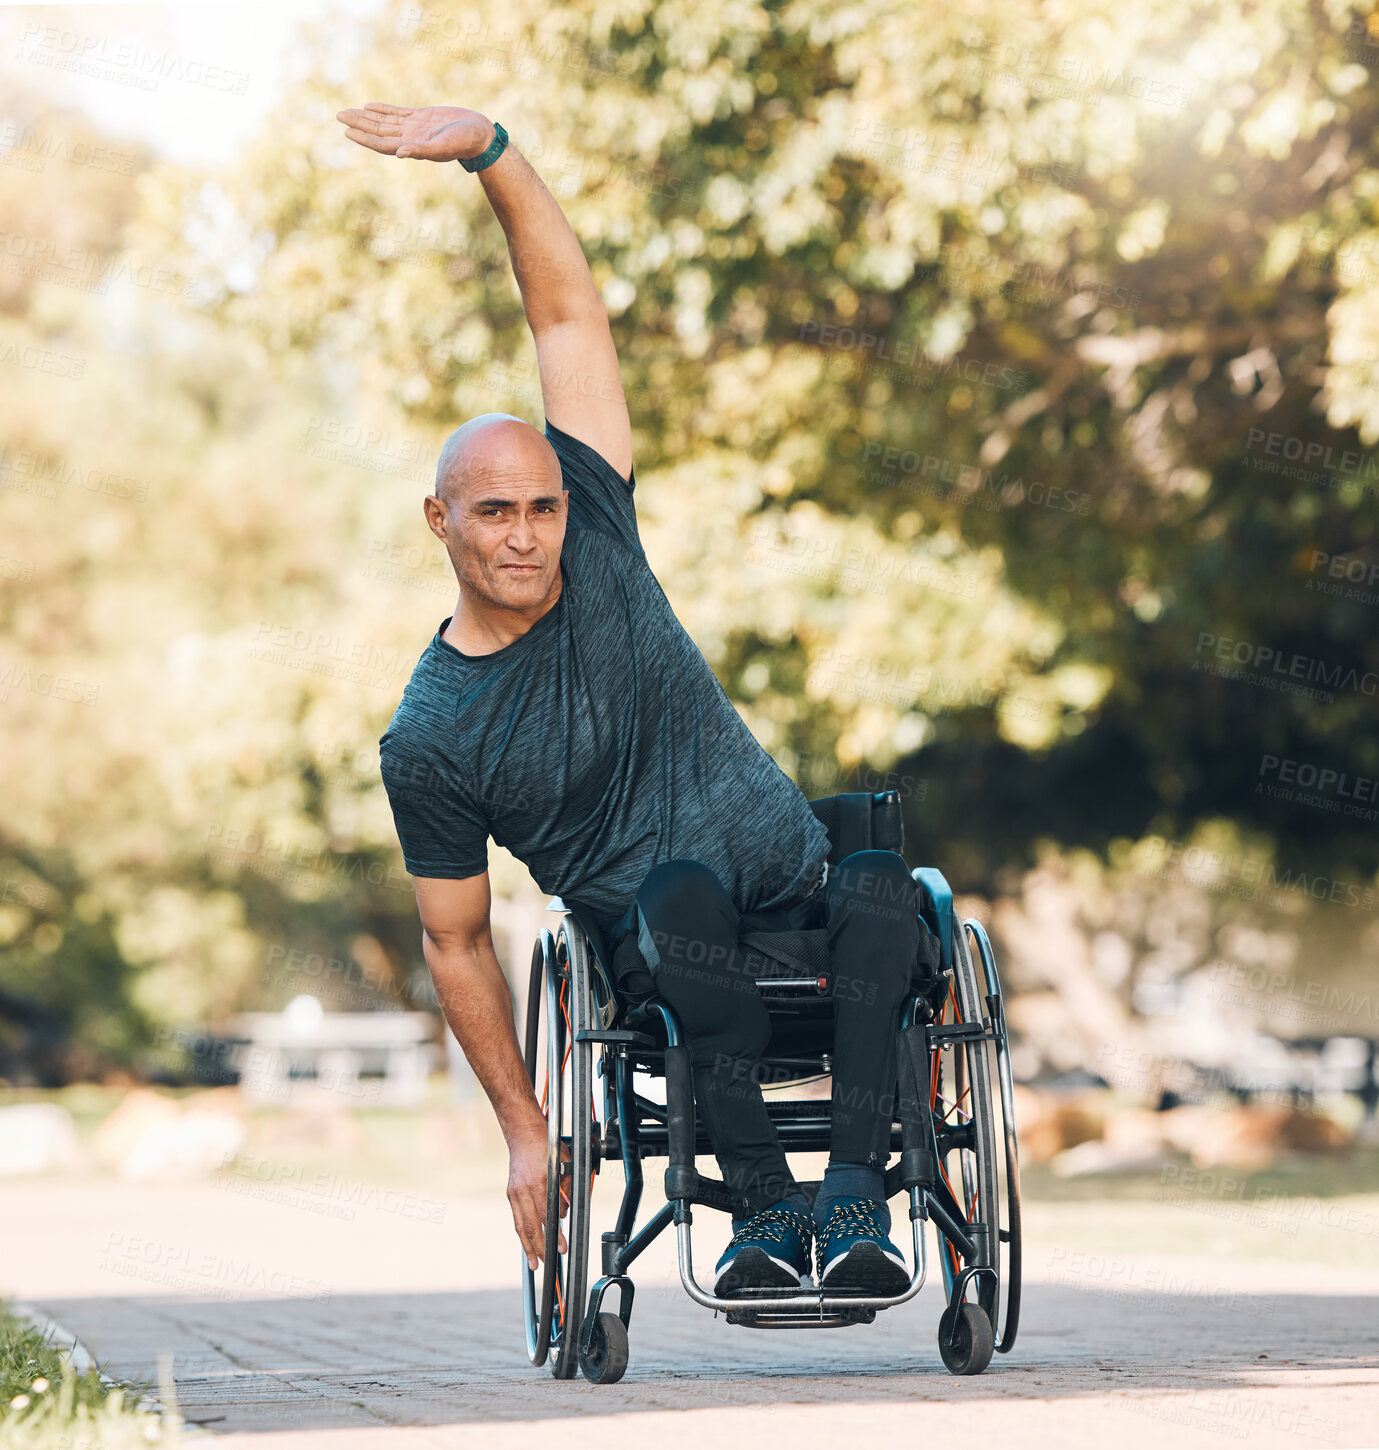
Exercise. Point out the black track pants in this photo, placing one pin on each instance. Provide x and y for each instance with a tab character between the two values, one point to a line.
689	937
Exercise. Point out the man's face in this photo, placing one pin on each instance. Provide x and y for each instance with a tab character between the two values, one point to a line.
502	520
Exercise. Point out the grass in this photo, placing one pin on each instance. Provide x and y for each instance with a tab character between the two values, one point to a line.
45	1404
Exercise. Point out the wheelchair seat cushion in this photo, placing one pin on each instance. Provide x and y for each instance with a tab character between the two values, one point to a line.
800	953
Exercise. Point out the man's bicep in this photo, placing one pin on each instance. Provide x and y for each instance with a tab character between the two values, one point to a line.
454	912
581	387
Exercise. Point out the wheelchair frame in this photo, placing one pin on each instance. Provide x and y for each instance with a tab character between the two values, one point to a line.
957	1023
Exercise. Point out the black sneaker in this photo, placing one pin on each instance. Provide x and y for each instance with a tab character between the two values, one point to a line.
853	1252
769	1251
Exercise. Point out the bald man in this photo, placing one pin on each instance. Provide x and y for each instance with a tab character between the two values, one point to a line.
563	712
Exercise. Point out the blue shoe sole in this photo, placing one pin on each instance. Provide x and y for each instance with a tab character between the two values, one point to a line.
864	1267
754	1269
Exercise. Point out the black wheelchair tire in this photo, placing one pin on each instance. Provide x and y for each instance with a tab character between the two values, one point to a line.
979	1169
970	1349
604	1360
553	1293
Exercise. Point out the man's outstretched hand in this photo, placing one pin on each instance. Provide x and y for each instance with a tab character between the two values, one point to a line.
432	133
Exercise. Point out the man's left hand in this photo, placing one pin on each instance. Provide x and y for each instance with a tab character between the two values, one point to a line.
430	133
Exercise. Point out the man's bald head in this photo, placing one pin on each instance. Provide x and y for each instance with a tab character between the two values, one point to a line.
500	509
490	447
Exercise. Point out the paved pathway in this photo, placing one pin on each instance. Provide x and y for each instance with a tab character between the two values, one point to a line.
320	1317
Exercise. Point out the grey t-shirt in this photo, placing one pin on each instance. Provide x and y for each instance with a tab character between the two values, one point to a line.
599	744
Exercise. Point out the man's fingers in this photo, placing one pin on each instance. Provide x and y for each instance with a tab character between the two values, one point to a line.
380	125
528	1232
386	144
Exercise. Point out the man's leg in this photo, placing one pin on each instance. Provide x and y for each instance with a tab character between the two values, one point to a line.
874	936
688	936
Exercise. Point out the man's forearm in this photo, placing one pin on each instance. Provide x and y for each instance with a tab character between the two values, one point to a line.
547	260
473	994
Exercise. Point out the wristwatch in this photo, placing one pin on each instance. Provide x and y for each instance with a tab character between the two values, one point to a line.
496	147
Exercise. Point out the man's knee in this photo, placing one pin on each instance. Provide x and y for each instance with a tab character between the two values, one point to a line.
681	888
875	920
876	883
680	896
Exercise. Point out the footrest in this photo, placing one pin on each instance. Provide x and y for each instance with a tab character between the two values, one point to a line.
768	1318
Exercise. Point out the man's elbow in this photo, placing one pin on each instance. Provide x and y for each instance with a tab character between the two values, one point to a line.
453	943
579	314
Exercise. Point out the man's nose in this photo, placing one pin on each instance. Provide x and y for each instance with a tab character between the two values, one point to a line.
521	536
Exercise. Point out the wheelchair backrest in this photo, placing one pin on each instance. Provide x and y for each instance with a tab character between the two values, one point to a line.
871	821
861	821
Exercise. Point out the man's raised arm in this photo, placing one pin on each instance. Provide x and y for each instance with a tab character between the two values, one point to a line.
581	386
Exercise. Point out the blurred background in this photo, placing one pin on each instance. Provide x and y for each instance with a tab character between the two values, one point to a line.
1005	391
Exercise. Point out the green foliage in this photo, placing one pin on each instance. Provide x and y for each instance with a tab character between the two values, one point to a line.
967	359
1073	267
46	1405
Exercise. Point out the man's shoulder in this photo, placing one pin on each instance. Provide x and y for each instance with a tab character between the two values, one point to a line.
428	700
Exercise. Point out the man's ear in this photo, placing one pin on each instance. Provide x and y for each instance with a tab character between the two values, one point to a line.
437	516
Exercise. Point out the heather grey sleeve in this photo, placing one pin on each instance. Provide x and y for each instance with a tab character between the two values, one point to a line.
600	498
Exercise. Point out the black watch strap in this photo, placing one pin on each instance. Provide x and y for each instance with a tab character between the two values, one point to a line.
496	147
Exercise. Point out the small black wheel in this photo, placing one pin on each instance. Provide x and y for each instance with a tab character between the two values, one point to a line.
604	1361
971	1353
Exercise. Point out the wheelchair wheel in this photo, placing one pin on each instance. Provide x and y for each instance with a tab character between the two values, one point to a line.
559	1008
604	1360
965	1132
966	1349
1006	1322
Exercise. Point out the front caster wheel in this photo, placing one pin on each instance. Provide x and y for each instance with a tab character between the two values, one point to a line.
604	1361
969	1350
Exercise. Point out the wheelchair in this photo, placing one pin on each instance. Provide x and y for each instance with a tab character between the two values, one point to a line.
953	1129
